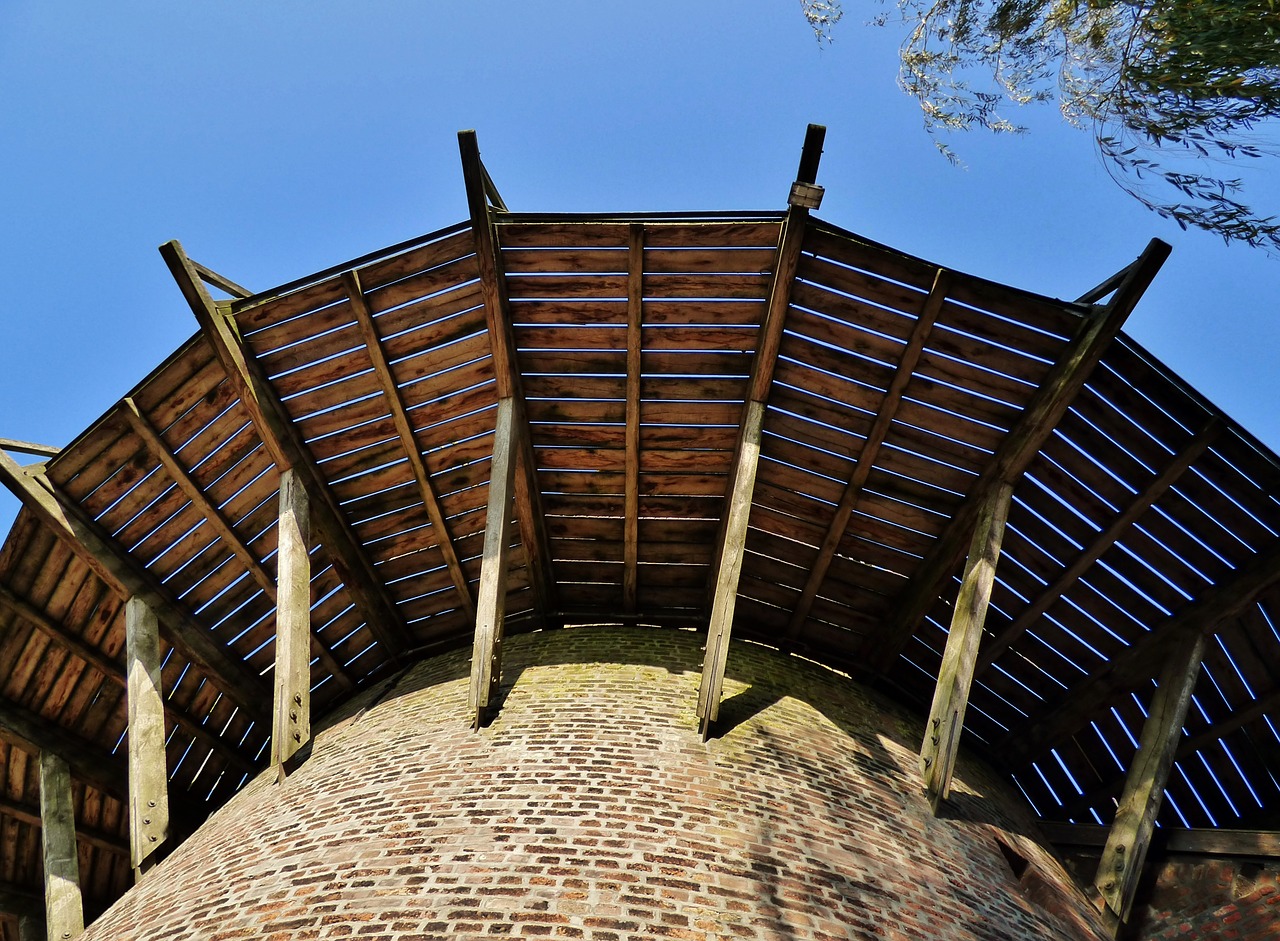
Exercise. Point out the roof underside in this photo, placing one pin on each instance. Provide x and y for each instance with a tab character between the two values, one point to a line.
1142	498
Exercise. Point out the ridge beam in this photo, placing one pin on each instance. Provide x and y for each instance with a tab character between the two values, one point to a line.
493	288
955	677
291	712
148	766
731	543
63	905
1202	441
1130	837
486	658
288	450
129	578
870	450
400	417
631	491
1018	449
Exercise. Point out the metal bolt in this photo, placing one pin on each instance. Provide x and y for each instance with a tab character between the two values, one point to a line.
297	736
146	819
152	839
151	803
297	697
293	715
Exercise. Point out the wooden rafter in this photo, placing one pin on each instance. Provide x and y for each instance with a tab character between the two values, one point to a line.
27	447
400	416
114	672
150	436
128	578
870	449
35	734
89	836
1133	668
1202	441
1257	844
226	285
493	289
631	492
733	528
288	450
1126	851
1016	451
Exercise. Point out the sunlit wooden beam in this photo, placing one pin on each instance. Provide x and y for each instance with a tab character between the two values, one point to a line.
291	712
63	906
148	765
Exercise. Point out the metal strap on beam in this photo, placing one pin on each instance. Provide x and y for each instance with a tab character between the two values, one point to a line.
631	485
148	767
1016	451
128	578
1130	836
955	677
493	288
63	907
291	720
400	417
486	659
870	449
288	450
733	528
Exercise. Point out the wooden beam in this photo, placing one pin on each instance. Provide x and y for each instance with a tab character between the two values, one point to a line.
1127	844
870	450
955	677
156	446
98	839
1016	451
631	491
35	734
1133	509
26	447
1131	669
115	673
291	725
63	907
1256	844
226	285
148	766
288	450
731	542
129	578
486	659
493	289
400	416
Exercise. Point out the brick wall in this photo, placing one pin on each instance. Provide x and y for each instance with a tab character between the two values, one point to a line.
590	808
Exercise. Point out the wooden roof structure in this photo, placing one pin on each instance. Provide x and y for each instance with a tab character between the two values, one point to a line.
892	398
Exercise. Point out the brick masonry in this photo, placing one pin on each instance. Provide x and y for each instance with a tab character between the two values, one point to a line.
590	808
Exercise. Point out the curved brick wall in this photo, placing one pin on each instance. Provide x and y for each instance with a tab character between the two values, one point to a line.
590	808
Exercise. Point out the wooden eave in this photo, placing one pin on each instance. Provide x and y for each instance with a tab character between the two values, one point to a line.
632	341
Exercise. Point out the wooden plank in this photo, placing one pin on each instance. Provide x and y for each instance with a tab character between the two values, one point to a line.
148	771
1123	858
1017	450
951	697
64	910
491	595
291	712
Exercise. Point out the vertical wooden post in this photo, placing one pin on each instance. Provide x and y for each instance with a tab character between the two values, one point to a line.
951	696
1126	851
64	910
491	599
148	770
291	727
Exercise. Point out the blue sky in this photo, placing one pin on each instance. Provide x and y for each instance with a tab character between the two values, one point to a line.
277	138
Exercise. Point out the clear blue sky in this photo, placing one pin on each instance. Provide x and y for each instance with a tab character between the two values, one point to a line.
277	138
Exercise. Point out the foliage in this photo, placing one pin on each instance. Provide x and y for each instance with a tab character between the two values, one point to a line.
1174	90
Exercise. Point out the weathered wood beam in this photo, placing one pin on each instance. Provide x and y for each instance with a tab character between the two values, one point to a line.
98	839
870	449
291	714
129	578
288	450
1016	451
631	486
486	658
156	446
1126	851
400	417
63	907
148	766
1202	441
36	735
226	285
493	289
1131	669
733	528
955	677
115	673
1257	844
27	447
